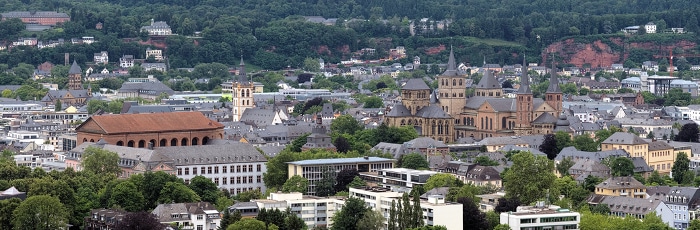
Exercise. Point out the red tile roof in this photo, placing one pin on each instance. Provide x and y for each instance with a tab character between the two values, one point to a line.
151	122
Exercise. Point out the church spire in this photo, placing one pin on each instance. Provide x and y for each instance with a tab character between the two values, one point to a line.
553	80
241	71
524	79
451	64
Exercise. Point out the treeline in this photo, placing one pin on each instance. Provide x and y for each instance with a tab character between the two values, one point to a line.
273	35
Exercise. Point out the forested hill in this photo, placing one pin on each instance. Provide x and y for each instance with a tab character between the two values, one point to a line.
271	33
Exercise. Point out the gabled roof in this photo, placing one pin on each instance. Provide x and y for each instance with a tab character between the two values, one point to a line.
415	84
432	111
545	118
148	122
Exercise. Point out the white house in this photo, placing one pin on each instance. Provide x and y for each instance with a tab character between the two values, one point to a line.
200	215
650	28
101	58
541	217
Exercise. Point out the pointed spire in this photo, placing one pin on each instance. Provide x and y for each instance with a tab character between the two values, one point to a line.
553	80
241	71
75	68
524	79
451	64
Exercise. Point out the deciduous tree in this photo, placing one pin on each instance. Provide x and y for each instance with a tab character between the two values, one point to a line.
414	161
681	166
689	133
138	221
371	219
344	178
348	217
205	188
296	183
442	180
100	161
40	212
621	166
472	217
529	177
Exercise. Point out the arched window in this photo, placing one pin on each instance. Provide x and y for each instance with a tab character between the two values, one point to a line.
183	142
242	93
120	143
92	140
460	82
454	82
130	143
173	142
163	142
205	140
503	122
153	143
85	140
142	143
195	141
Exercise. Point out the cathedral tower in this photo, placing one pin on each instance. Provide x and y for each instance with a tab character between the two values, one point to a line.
452	88
523	121
241	93
554	96
488	86
75	77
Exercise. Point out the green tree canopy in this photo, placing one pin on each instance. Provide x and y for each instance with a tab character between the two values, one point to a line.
296	183
681	167
40	212
442	180
351	214
175	192
414	161
127	196
205	188
100	161
529	177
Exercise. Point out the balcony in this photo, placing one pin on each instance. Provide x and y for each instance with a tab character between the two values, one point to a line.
624	193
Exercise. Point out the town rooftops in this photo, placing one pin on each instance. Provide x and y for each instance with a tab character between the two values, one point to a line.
659	145
357	160
144	123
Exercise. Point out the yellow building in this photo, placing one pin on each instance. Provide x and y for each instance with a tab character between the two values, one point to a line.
661	156
621	186
631	143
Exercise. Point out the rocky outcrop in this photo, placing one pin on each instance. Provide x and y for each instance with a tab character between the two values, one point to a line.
606	51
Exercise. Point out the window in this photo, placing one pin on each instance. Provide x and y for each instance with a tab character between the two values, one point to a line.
201	170
259	167
200	227
238	168
238	180
223	169
224	180
231	180
259	179
209	170
194	170
187	171
245	169
179	171
250	179
216	169
216	181
245	180
200	217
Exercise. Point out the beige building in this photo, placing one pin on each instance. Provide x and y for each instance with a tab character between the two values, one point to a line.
621	186
658	155
157	54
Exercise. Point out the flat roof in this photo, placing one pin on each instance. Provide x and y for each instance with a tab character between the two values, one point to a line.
411	171
356	160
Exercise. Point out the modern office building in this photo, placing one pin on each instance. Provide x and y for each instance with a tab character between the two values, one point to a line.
435	210
313	170
541	217
398	179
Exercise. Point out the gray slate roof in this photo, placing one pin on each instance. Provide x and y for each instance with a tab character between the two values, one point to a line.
488	81
152	88
624	138
258	117
596	156
415	84
75	68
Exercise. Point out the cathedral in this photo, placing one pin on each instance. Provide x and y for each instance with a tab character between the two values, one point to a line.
448	113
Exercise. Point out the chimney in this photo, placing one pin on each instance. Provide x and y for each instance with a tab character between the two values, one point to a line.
150	145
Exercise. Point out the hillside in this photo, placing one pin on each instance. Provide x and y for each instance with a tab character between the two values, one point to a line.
602	51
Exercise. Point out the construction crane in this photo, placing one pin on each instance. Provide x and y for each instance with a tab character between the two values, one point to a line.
670	59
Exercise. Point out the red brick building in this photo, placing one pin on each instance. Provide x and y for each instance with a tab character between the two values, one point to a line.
49	18
155	129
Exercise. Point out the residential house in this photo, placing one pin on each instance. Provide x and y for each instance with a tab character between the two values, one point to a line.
154	66
126	61
660	156
587	167
621	186
200	215
101	58
650	28
156	54
159	28
679	199
103	219
635	207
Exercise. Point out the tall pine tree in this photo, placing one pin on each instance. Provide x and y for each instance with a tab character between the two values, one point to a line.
392	216
399	215
406	212
417	210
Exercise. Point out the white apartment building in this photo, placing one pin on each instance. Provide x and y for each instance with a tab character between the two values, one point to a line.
315	211
16	106
157	54
398	179
541	217
435	210
236	167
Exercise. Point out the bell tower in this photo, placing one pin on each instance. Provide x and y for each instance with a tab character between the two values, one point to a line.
523	121
452	88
